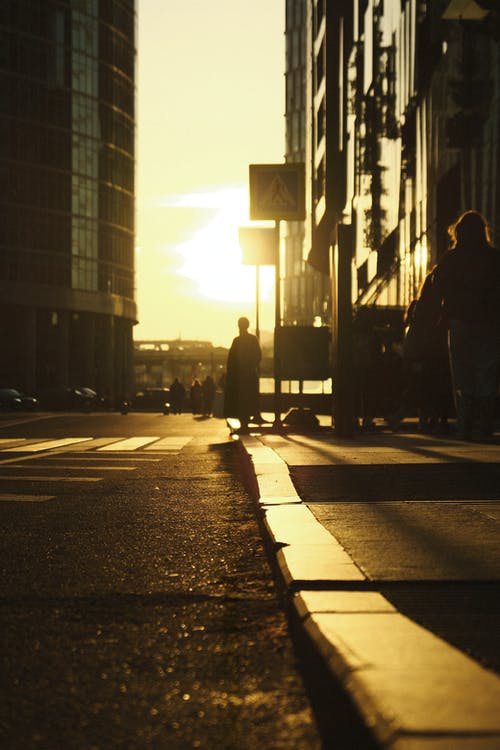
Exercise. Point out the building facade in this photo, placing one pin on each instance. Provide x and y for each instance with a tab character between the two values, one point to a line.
423	132
402	125
67	138
401	107
305	288
157	363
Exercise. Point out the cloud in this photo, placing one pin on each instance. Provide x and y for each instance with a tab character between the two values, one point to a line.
218	198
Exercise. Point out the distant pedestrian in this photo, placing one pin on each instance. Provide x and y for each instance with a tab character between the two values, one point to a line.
196	397
177	396
467	281
241	395
208	388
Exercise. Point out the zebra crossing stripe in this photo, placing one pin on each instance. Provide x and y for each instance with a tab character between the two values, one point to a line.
169	444
47	445
11	498
88	445
91	445
129	444
87	458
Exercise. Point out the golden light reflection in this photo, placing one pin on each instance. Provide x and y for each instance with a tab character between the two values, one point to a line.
420	256
212	257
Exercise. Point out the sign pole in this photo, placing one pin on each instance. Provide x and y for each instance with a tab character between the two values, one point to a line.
277	326
277	193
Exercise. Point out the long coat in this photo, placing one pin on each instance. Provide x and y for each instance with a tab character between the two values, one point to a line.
241	395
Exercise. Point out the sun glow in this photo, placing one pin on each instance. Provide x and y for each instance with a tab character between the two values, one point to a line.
212	257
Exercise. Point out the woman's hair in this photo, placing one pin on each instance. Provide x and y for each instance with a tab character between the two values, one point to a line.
410	312
470	229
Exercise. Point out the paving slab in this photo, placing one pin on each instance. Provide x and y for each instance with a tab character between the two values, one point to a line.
418	541
295	524
399	481
405	680
308	603
304	565
381	448
274	484
259	453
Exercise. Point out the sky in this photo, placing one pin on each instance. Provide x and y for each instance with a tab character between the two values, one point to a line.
210	101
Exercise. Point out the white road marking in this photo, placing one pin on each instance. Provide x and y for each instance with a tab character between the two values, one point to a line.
10	498
129	444
80	449
47	445
87	449
94	443
169	444
87	457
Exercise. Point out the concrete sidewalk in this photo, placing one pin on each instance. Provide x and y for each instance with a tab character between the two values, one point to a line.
412	688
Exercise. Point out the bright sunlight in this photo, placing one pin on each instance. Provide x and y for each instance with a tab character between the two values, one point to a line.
212	257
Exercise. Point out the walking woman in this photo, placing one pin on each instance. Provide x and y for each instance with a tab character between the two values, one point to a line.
467	280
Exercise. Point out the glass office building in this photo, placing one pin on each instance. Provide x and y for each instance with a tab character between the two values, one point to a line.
67	136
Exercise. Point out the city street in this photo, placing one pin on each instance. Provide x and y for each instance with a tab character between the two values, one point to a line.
285	215
138	609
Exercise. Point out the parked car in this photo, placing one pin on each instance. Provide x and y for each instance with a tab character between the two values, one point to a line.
80	398
152	399
11	399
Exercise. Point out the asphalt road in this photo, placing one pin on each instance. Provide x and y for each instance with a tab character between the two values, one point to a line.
137	605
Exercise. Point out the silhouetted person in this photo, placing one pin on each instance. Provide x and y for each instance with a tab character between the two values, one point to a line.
432	339
196	396
208	387
241	395
412	368
467	281
177	395
427	388
367	359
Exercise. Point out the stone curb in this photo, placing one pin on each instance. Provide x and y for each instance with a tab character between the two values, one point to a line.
413	690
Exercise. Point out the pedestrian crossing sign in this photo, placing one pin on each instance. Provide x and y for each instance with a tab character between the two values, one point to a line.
277	191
